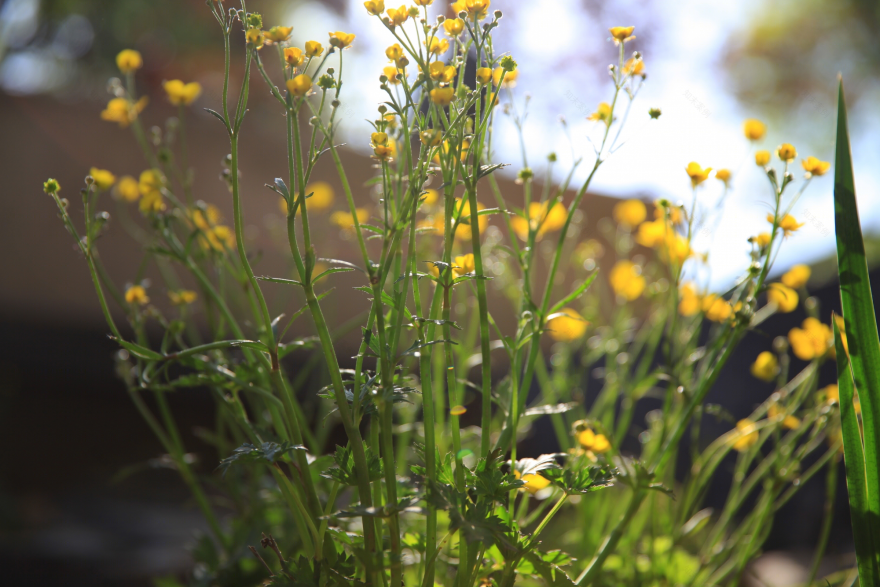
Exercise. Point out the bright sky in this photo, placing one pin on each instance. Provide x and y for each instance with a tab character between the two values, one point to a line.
701	121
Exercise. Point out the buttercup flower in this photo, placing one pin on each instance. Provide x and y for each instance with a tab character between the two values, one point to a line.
664	210
129	60
697	174
603	113
774	412
463	264
299	85
375	7
634	66
830	394
787	223
785	298
136	294
127	189
181	94
122	111
630	213
398	16
453	26
568	326
431	137
688	300
653	233
815	167
766	366
442	96
786	152
509	77
294	56
394	52
476	9
797	276
183	297
484	74
762	158
626	280
314	48
723	175
539	219
594	442
392	73
255	38
812	340
278	34
321	198
622	34
104	180
746	435
754	129
533	482
423	2
763	239
716	308
345	220
341	40
441	72
438	46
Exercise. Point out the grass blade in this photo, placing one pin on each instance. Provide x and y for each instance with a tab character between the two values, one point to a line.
862	340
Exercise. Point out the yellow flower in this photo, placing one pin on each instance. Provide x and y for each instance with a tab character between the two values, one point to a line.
220	238
785	298
277	34
763	239
457	410
442	96
534	483
672	212
183	297
723	175
746	436
630	213
594	442
255	37
453	26
314	48
754	129
152	202
603	113
322	196
762	158
431	137
423	2
716	308
689	300
811	341
830	393
299	85
463	264
441	72
104	180
429	197
136	294
129	60
340	39
383	152
150	181
180	93
378	138
375	7
797	276
786	152
653	233
787	223
392	73
476	9
568	326
294	56
509	77
127	189
774	412
398	16
766	366
539	219
626	280
463	232
122	111
345	219
394	52
634	66
697	174
484	74
814	166
622	34
438	46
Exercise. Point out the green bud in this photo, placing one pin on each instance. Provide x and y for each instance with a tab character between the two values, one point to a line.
51	186
507	63
654	113
255	20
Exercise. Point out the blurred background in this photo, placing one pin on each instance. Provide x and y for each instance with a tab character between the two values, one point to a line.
84	496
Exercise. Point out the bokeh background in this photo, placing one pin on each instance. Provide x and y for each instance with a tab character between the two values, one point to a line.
84	496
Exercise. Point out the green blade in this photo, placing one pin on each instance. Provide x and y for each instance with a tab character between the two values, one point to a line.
860	320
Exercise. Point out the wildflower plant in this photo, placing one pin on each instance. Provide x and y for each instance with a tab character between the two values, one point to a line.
431	485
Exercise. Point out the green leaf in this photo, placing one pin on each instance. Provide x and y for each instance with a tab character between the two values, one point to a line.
268	451
860	323
138	351
575	294
331	271
279	280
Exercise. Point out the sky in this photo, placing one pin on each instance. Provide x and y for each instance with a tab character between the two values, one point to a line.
559	50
